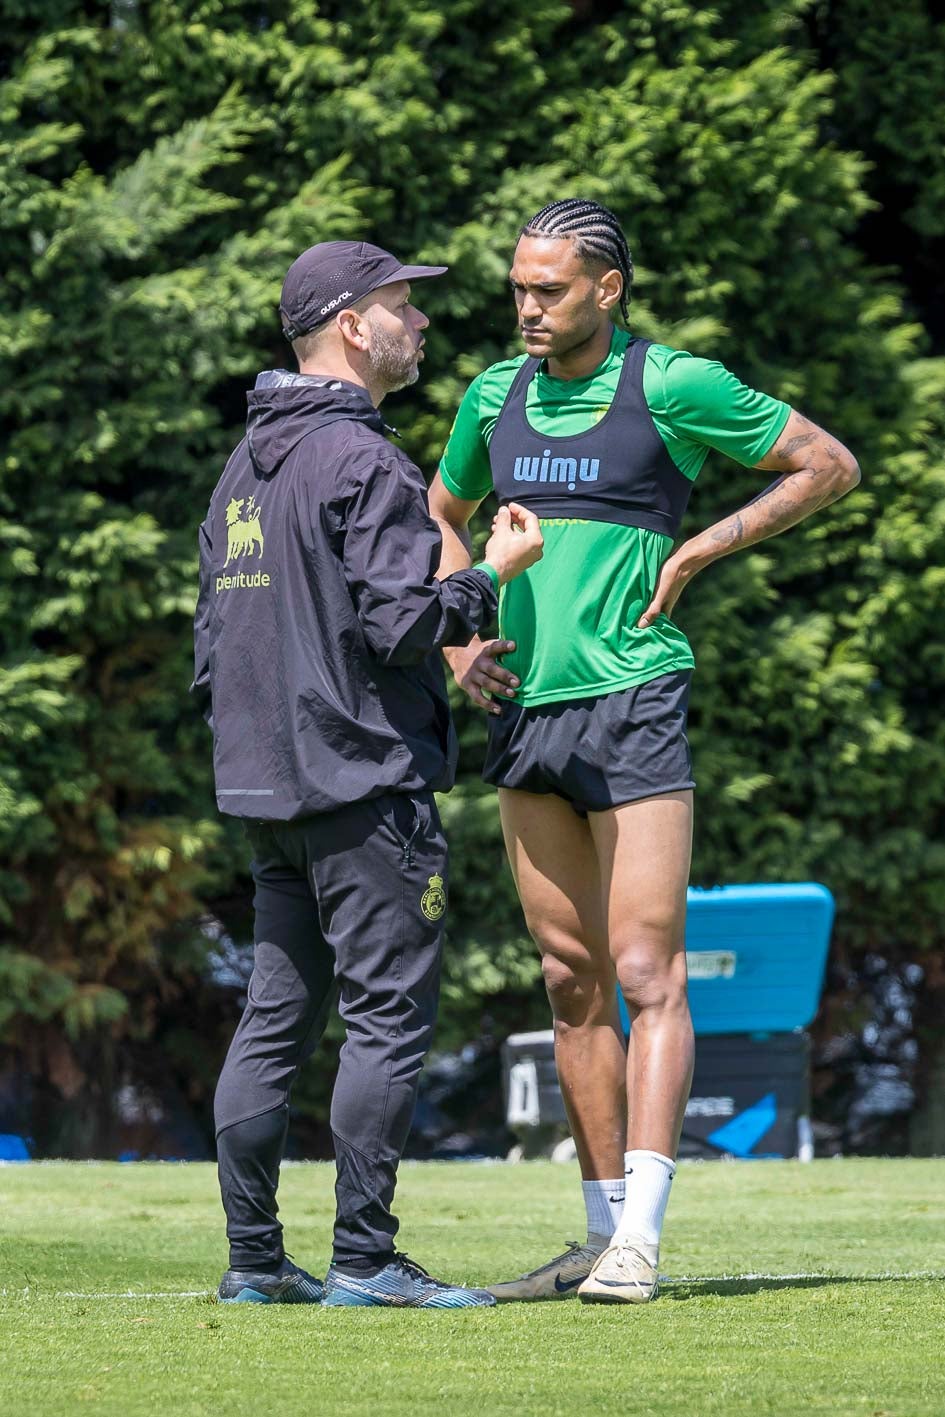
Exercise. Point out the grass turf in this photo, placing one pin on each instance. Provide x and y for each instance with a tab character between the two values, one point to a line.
793	1289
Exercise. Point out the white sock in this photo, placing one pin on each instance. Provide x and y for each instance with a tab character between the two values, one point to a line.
649	1177
603	1201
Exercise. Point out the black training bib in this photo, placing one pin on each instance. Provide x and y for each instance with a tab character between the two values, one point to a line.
618	471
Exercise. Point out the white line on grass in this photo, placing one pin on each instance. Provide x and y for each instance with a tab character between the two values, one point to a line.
752	1277
110	1294
886	1274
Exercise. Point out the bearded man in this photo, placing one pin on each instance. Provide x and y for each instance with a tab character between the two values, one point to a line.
317	639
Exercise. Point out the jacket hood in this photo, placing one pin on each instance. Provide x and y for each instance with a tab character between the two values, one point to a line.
284	407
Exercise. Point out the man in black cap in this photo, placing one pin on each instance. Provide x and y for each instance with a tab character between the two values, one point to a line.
317	635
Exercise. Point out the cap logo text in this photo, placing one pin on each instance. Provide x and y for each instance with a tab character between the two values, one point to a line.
345	295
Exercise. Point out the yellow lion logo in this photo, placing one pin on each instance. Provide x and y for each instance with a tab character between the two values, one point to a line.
243	532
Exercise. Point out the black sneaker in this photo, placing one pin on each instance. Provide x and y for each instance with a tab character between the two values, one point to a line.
402	1284
289	1285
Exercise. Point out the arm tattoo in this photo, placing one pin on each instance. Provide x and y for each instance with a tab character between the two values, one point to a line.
816	471
785	451
730	532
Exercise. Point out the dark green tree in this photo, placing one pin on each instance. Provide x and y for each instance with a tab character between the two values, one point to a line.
160	165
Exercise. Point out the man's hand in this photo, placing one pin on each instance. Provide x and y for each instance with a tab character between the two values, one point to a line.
478	674
516	542
673	578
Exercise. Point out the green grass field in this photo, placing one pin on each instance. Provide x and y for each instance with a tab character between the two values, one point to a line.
792	1289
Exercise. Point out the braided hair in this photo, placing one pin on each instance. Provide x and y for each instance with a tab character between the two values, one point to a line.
596	233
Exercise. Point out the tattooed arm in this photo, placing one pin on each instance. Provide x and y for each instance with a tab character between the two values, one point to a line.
815	470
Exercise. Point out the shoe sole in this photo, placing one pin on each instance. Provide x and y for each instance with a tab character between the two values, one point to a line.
598	1296
256	1296
360	1301
247	1296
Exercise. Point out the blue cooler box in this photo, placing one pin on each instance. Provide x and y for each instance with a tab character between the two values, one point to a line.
756	957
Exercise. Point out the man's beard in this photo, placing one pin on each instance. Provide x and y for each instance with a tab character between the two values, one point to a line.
393	365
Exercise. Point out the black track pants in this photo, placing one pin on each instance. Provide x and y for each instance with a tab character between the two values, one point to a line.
352	900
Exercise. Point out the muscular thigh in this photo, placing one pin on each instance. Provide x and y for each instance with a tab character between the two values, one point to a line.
554	862
644	850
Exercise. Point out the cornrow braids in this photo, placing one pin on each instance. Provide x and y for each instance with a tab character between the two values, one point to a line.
596	233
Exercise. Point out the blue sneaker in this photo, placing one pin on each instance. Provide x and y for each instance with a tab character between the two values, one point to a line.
289	1285
402	1284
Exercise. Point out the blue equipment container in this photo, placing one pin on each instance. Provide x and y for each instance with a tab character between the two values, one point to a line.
13	1147
756	957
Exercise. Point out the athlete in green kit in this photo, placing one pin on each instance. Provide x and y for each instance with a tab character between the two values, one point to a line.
603	435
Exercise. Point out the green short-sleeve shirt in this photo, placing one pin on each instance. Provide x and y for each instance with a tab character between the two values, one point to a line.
573	615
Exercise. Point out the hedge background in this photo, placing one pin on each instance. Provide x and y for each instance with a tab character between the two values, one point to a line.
780	171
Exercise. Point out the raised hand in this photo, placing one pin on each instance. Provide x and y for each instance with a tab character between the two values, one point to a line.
516	542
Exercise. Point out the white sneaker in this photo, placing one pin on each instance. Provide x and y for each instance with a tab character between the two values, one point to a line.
559	1278
626	1273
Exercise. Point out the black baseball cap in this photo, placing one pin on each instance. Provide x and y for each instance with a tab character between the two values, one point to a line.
336	273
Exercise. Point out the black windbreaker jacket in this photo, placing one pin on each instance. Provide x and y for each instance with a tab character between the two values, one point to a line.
320	617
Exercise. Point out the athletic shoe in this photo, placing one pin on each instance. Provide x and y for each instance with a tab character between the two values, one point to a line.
626	1273
289	1285
559	1278
402	1284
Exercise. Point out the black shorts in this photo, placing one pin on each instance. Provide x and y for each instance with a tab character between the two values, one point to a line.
599	752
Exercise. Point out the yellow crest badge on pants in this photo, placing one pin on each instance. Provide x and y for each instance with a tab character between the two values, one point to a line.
433	900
